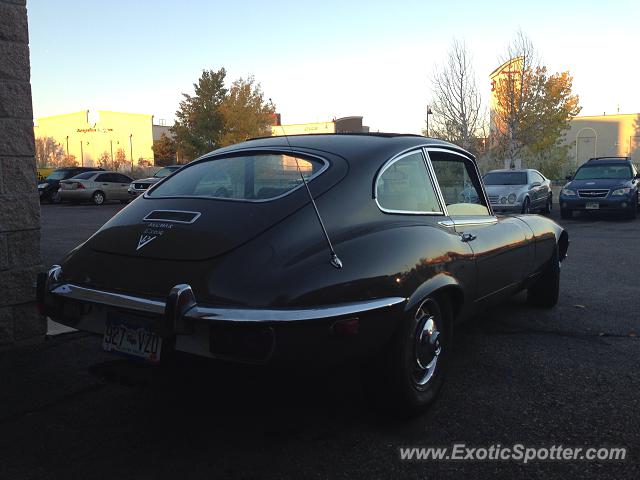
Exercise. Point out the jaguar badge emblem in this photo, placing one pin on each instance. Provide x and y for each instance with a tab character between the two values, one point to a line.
144	240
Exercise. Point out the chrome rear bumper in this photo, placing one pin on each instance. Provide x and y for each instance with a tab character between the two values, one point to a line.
179	316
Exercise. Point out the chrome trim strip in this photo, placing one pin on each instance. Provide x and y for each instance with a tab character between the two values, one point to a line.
205	313
388	164
196	217
111	299
434	181
469	221
291	315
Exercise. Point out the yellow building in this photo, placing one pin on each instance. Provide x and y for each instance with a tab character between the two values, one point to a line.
507	78
604	135
88	134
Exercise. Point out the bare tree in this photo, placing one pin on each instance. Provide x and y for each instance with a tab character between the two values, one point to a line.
48	152
456	103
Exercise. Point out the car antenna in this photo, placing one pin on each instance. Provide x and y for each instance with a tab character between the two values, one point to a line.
335	260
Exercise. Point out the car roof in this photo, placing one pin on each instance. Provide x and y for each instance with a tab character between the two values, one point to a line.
516	170
354	147
609	160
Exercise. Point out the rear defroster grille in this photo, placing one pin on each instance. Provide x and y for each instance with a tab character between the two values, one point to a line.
172	216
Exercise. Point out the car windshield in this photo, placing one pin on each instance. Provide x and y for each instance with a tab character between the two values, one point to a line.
58	175
164	172
250	177
603	172
505	178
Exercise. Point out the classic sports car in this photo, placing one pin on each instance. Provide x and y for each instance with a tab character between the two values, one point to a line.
320	248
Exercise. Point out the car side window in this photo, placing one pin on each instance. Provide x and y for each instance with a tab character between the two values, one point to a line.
404	186
459	184
104	177
120	178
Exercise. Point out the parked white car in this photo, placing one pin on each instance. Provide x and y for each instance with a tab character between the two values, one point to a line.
97	187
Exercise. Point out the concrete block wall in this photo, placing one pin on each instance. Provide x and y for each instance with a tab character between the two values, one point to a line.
19	203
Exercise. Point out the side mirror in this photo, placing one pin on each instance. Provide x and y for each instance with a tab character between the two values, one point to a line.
568	177
535	184
637	176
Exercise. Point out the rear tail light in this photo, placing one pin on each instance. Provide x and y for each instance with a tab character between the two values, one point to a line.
79	185
347	327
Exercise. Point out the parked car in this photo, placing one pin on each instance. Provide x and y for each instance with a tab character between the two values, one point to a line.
97	187
138	187
330	247
602	184
48	188
520	190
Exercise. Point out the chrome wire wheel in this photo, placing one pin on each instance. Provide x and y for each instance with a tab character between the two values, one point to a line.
427	346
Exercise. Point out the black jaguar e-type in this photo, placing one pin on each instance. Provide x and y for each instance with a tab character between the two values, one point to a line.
308	248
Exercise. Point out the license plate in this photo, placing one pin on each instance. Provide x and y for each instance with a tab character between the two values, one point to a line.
592	206
131	337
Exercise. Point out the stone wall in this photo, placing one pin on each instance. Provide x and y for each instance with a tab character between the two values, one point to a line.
19	204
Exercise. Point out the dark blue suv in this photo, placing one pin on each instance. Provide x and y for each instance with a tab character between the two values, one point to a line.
602	184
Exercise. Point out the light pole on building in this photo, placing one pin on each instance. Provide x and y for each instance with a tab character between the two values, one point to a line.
131	150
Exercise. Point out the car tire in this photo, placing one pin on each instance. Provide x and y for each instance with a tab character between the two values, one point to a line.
546	290
633	210
125	201
98	198
409	375
548	206
526	206
565	213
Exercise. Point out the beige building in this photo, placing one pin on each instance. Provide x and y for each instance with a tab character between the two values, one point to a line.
88	134
339	125
604	135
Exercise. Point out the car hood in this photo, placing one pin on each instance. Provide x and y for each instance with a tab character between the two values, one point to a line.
598	183
148	180
504	189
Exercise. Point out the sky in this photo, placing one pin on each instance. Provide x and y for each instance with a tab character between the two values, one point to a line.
319	60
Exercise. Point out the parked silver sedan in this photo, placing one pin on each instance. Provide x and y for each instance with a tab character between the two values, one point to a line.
521	191
96	187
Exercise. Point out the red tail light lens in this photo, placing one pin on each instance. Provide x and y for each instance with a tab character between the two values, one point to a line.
79	185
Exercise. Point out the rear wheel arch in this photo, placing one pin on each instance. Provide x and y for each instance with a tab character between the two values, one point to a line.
441	286
563	245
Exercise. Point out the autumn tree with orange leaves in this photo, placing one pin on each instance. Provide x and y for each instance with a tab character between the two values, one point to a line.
532	112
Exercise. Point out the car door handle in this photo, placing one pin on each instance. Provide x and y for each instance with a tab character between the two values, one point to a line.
105	184
467	237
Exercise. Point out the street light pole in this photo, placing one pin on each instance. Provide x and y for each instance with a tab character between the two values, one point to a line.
429	112
81	155
131	150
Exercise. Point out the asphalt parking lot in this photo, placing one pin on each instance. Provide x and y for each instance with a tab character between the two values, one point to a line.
568	376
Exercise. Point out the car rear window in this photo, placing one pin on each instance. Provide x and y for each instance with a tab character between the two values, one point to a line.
247	177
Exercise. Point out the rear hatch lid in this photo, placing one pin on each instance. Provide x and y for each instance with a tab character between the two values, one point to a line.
217	204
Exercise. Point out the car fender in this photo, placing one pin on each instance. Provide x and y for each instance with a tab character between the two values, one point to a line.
438	284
